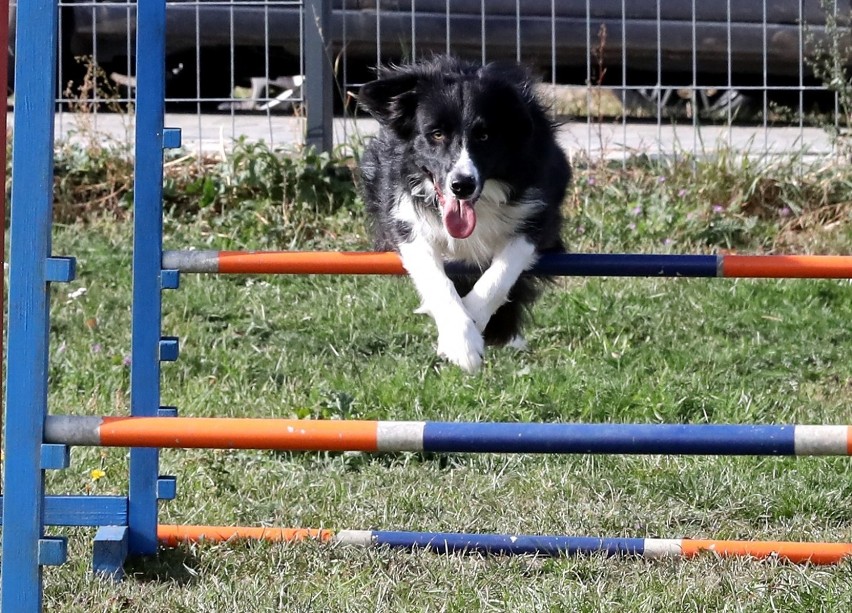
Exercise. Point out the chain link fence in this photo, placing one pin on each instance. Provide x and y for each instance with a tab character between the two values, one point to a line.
626	76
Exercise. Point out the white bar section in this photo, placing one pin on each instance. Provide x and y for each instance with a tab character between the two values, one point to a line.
822	440
191	261
80	430
400	435
360	538
662	548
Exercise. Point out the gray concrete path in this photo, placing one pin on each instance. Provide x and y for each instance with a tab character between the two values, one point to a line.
211	134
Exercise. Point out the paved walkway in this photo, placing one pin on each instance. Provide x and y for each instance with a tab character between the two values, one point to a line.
214	133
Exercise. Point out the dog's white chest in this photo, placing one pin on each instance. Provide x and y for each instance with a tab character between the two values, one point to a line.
497	221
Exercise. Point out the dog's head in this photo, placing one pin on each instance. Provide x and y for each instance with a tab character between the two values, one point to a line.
465	124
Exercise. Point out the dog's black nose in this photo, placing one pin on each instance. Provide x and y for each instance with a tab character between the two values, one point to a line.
463	186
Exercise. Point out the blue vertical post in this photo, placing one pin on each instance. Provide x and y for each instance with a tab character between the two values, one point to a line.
147	253
30	244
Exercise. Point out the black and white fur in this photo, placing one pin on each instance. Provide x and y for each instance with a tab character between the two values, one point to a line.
465	168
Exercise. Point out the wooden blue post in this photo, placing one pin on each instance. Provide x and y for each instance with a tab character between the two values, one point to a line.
147	253
25	547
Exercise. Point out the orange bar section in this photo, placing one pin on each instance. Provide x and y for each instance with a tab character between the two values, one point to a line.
310	263
799	553
172	536
788	266
232	433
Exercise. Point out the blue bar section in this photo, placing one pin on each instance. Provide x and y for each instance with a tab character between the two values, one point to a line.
497	544
110	552
147	254
169	349
682	439
55	456
619	265
85	511
52	550
170	279
28	307
167	412
171	138
61	269
167	487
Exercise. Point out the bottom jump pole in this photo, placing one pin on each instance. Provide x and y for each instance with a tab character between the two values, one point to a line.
521	544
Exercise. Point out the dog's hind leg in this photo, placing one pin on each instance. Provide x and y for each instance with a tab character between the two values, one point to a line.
459	340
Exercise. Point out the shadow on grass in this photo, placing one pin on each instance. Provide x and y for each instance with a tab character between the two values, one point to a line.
176	565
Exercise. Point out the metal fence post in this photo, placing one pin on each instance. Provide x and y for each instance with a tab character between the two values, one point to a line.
318	75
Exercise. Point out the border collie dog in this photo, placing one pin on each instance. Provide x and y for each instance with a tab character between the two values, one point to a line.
465	168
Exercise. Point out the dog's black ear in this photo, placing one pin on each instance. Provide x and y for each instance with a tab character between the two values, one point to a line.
510	72
516	85
392	100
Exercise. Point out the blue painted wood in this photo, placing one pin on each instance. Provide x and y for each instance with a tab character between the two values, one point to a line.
171	138
147	256
91	511
685	439
61	269
30	246
167	487
169	349
55	456
110	552
52	550
84	511
170	279
167	412
443	542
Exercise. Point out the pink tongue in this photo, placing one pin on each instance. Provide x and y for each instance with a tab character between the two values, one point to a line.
459	217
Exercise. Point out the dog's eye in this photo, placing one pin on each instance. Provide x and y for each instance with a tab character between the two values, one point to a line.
436	135
480	134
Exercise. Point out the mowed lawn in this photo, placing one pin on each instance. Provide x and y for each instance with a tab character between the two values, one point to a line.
601	350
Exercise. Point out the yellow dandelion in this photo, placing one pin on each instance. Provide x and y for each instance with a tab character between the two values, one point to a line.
97	473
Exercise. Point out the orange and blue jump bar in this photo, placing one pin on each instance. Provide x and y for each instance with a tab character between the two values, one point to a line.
520	544
556	264
449	437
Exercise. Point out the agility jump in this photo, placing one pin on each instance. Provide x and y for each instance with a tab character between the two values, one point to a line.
128	523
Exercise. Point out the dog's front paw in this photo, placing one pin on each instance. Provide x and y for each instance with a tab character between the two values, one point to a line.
478	309
462	345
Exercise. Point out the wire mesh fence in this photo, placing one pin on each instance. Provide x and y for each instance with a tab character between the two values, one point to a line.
626	76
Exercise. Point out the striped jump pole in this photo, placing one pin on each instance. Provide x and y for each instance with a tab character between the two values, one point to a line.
557	264
449	437
514	544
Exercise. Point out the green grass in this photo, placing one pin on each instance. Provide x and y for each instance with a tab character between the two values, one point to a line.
601	350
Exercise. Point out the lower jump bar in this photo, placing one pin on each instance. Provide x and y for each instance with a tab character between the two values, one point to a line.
506	544
555	264
450	437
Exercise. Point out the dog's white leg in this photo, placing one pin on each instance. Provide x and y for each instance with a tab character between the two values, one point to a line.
492	289
458	338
